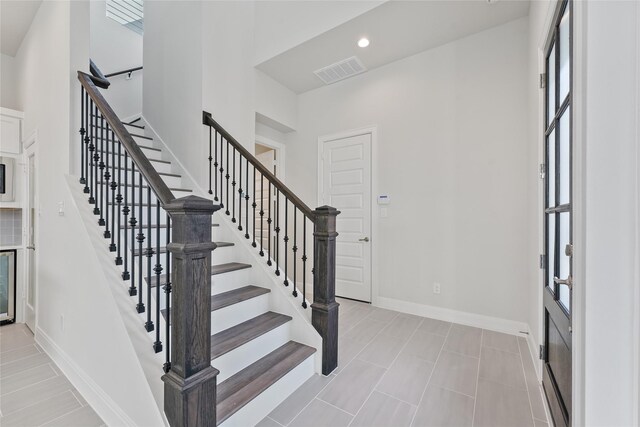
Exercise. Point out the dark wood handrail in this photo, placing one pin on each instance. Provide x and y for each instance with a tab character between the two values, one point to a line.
306	210
97	77
127	71
156	183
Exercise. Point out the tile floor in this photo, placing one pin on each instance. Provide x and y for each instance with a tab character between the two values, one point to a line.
401	370
33	391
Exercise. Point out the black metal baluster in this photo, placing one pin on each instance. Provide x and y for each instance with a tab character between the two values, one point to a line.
240	196
119	201
277	248
167	300
140	239
125	214
254	205
269	221
221	170
87	140
246	204
286	239
96	157
233	188
227	177
101	166
261	214
295	249
92	155
114	185
210	159
304	261
157	346
133	290
106	186
149	323
82	132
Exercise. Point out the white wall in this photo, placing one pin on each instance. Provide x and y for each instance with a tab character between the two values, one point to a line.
276	102
9	83
453	155
612	195
173	79
74	311
115	48
282	25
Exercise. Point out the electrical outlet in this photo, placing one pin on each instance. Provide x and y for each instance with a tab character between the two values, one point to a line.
436	288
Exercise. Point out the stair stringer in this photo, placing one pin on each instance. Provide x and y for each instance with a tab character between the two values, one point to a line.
280	299
141	342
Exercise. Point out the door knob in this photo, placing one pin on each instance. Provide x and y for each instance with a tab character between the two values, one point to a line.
366	239
568	281
31	247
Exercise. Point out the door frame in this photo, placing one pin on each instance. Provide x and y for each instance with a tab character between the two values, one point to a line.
280	149
373	131
578	200
29	147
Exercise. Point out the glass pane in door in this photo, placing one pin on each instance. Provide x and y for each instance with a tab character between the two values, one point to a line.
551	169
551	86
565	64
564	268
564	160
551	252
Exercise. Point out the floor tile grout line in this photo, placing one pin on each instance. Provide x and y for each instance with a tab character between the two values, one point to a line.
21	358
305	406
526	385
390	365
274	421
65	414
334	406
33	384
342	370
430	376
40	401
475	400
456	392
396	398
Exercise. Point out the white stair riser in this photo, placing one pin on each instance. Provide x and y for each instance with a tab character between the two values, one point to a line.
225	254
253	412
229	281
150	154
232	362
145	198
227	317
171	181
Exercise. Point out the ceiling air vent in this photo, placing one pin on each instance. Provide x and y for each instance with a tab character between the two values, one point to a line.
340	70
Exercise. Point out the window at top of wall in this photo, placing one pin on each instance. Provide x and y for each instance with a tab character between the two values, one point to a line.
129	13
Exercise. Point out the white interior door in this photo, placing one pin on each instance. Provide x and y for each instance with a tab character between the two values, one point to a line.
346	185
31	290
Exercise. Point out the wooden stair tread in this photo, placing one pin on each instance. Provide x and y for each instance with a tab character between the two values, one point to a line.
132	125
132	134
235	296
225	299
232	338
215	269
163	249
186	190
246	385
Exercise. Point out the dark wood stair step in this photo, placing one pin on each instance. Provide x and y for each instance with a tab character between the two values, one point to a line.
132	134
132	125
235	296
246	385
232	338
215	269
163	249
144	187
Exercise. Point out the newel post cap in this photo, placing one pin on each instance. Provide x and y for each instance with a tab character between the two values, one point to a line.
193	205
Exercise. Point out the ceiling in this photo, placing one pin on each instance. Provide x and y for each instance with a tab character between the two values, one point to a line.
15	19
396	29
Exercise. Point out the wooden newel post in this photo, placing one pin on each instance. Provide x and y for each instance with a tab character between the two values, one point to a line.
190	385
324	310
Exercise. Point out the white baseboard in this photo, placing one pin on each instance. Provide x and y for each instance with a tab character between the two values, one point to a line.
446	314
100	401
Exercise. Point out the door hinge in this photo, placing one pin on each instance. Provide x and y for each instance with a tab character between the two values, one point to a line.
543	80
543	260
543	170
543	355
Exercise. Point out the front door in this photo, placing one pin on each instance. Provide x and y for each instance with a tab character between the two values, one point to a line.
558	284
32	217
346	185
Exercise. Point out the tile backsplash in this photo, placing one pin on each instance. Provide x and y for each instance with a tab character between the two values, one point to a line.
10	227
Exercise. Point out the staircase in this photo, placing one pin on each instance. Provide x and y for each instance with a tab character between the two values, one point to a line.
219	310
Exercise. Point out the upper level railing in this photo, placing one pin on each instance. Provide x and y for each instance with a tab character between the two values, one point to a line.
139	213
281	225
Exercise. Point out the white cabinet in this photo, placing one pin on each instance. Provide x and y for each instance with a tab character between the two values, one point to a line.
10	130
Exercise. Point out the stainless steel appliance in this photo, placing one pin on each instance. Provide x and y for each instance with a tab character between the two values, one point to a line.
7	286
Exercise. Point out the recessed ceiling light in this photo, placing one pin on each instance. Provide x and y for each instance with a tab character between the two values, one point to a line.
363	42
